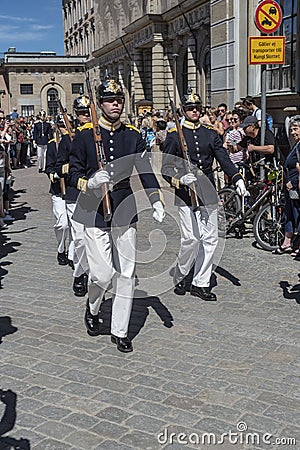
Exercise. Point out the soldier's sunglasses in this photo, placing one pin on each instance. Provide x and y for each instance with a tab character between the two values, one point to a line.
191	108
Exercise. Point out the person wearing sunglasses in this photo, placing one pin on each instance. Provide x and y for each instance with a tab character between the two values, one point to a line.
110	241
233	136
199	228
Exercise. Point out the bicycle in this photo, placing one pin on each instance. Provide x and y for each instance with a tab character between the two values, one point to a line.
262	207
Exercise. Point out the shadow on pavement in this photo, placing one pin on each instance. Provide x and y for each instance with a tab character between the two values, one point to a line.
229	276
139	314
9	399
6	246
6	327
290	292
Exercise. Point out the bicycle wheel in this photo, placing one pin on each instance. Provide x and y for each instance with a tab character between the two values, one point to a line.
230	206
269	231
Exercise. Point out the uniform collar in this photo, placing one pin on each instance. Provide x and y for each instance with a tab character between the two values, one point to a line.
86	126
191	125
109	125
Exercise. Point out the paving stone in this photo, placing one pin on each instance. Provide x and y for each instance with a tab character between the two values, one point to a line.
53	412
140	440
81	420
113	414
83	439
54	429
145	423
109	429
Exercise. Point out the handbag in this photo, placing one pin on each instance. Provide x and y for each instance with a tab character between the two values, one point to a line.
294	194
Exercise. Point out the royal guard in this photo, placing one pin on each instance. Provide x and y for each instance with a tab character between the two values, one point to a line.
199	226
110	234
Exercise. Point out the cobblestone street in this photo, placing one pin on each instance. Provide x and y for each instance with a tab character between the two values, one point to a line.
196	367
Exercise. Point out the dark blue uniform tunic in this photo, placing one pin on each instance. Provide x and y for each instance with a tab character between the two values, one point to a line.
124	151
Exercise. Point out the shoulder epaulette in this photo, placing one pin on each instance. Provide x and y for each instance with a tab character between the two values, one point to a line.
132	127
171	130
210	127
52	140
86	126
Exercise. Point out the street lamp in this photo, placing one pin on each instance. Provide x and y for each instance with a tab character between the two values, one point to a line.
175	56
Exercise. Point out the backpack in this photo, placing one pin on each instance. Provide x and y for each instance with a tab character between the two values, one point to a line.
150	136
269	120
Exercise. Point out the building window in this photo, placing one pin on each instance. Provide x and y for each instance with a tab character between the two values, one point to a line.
282	77
27	110
77	88
52	95
26	89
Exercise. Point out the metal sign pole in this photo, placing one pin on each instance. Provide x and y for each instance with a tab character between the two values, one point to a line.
263	115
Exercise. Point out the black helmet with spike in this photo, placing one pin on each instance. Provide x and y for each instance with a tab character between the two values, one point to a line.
109	88
81	103
191	98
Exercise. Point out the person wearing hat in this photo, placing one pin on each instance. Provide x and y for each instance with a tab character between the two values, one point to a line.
251	141
199	229
61	226
42	134
110	244
77	254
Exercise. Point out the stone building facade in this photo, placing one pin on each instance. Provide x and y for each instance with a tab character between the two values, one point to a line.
153	46
32	81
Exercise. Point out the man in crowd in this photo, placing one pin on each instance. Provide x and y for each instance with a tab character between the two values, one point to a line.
42	134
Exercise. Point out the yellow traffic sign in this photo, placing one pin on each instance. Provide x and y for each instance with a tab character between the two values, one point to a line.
268	16
266	49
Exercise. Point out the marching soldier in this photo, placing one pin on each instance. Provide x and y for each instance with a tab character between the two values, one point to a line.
110	244
42	134
61	226
77	252
199	229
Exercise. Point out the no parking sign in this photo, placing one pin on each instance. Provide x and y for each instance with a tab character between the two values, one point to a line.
268	16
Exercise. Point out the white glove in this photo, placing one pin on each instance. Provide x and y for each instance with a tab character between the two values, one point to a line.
188	179
240	188
56	176
99	178
158	211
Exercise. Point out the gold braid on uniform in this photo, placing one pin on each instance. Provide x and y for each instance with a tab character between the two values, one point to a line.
82	184
237	174
65	169
160	194
52	177
175	182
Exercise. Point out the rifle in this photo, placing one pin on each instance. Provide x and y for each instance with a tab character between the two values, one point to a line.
66	119
185	153
101	158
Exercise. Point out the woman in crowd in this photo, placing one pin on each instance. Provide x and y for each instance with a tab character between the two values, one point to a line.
292	194
233	136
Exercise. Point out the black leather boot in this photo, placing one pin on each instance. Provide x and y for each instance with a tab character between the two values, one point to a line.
91	322
123	343
80	285
203	293
62	259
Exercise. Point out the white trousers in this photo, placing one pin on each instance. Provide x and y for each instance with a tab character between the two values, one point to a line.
199	239
61	227
111	259
77	252
41	156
